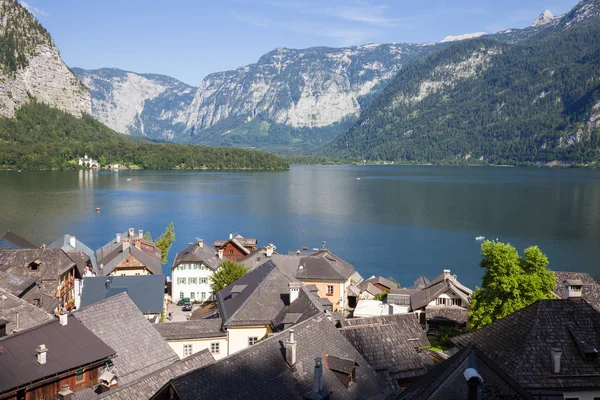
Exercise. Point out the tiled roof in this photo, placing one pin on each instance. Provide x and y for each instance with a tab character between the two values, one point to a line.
439	285
15	284
260	371
196	329
69	348
238	240
420	283
322	265
110	250
194	253
521	344
28	314
305	306
450	314
590	290
10	240
149	259
145	387
390	343
80	259
146	291
369	287
46	302
140	348
64	242
447	380
54	262
383	281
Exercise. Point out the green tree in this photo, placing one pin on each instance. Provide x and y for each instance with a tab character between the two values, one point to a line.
381	295
391	278
510	282
165	241
227	273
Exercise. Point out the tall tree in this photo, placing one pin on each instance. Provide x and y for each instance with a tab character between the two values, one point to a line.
165	241
510	282
227	273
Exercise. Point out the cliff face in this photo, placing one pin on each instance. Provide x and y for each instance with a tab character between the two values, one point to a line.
31	66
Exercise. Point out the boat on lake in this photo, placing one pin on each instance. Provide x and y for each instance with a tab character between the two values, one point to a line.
480	238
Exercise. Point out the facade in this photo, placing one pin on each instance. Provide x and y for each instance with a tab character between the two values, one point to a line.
88	162
191	272
129	254
190	337
236	248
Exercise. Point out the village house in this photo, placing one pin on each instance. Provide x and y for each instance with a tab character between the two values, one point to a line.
146	291
88	162
191	272
330	274
28	290
52	360
311	360
129	254
10	240
190	337
55	272
549	348
70	243
16	314
236	248
590	289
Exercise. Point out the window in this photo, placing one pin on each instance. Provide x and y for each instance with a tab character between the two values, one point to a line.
456	302
202	267
192	281
230	252
329	290
442	301
252	340
181	280
214	348
203	295
137	273
187	350
181	295
79	375
192	295
203	279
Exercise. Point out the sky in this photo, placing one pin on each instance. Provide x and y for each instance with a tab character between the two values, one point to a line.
189	39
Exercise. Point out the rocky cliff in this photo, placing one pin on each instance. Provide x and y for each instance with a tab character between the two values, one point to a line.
31	66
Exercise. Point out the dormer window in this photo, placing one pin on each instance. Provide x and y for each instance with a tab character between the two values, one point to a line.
34	265
343	368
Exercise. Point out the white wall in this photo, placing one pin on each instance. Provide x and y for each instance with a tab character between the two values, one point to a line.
238	337
449	295
199	345
187	288
583	395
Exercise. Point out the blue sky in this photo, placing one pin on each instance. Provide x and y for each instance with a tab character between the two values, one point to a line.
188	39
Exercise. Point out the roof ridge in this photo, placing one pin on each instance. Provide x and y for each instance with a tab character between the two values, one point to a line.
116	296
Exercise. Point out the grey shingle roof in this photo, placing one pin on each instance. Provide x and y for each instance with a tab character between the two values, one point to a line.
110	250
369	287
140	348
450	314
383	281
28	314
146	291
446	381
194	253
261	372
10	240
238	240
69	348
389	343
64	242
420	283
304	307
145	387
15	284
439	285
323	265
590	291
46	302
201	328
54	262
149	259
521	344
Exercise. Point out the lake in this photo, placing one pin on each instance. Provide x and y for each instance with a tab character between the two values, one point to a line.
400	221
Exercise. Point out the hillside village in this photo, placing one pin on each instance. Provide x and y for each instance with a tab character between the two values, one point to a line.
82	324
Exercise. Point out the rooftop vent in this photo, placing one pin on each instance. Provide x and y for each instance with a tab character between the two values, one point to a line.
131	232
41	354
141	233
269	250
572	288
290	350
201	243
63	319
73	241
65	393
294	291
34	265
118	238
556	354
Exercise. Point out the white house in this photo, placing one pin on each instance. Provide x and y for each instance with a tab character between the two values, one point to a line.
191	271
190	337
89	162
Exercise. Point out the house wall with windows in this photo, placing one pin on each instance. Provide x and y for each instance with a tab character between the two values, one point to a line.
191	280
184	348
449	298
130	266
335	291
240	338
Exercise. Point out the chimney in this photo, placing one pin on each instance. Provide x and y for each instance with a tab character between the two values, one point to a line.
230	235
131	232
65	393
118	238
556	353
126	244
141	233
63	318
294	290
41	354
107	283
446	274
474	382
572	288
72	241
201	243
269	250
220	252
290	350
318	377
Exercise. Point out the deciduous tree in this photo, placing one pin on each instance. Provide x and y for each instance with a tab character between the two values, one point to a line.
227	273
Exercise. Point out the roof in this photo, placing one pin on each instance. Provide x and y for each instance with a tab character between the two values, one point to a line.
540	327
15	284
193	329
145	387
322	265
146	291
146	257
369	287
449	314
439	285
107	252
372	308
238	240
80	259
305	306
28	314
10	240
390	343
261	372
64	242
264	294
46	302
140	348
590	290
447	380
54	263
69	348
383	281
195	253
420	283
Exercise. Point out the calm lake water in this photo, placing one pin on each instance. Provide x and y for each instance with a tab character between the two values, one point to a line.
393	221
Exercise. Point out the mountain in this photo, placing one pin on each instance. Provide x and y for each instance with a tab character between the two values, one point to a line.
520	96
288	98
31	66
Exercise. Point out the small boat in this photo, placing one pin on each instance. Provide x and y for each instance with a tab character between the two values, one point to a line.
358	179
480	238
97	209
128	179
